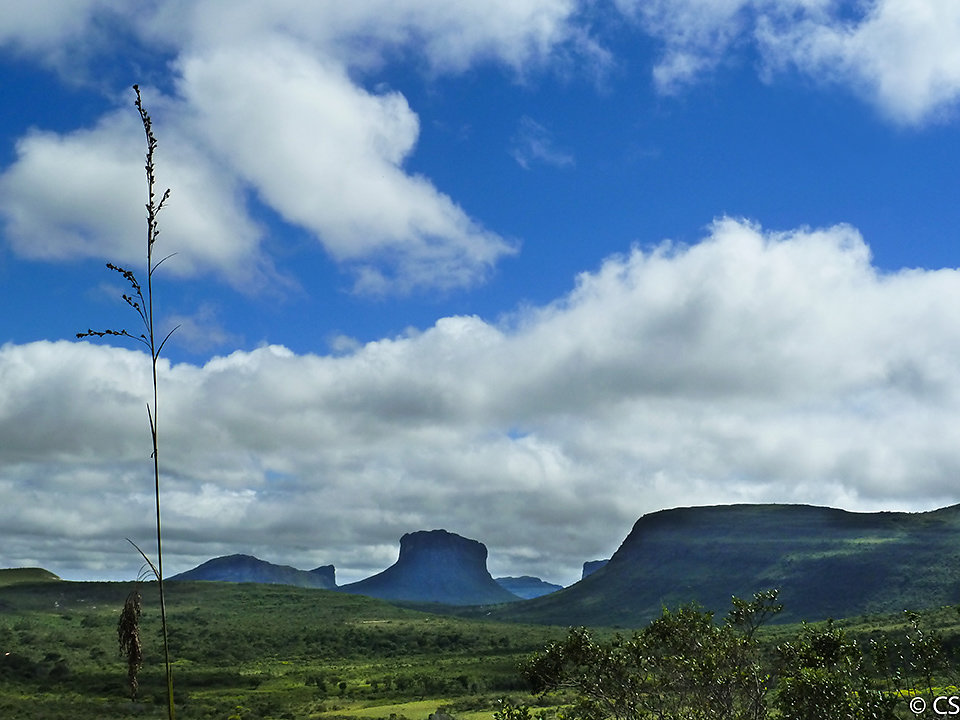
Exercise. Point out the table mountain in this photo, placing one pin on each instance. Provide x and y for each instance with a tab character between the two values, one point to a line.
826	563
436	566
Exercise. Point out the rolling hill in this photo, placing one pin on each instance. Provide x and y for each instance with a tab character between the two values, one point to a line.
246	568
14	576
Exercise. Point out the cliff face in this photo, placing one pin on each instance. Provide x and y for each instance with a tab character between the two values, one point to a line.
591	566
326	575
825	562
436	566
246	568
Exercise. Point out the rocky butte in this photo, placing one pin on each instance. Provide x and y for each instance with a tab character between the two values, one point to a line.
439	567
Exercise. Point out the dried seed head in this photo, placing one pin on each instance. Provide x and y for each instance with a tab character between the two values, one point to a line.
128	637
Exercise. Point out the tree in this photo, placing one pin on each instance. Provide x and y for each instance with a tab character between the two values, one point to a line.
823	674
681	666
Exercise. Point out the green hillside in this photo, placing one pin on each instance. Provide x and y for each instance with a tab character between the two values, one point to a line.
276	651
12	576
259	652
826	563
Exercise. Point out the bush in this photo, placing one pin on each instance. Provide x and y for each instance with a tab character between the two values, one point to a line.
823	674
682	666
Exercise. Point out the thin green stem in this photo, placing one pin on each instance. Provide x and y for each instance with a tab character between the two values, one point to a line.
144	308
153	209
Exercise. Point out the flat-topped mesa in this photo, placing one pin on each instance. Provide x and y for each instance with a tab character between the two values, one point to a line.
825	562
436	566
443	550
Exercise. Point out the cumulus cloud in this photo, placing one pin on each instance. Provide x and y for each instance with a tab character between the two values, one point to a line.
271	99
451	37
904	55
81	194
901	55
51	30
328	156
752	366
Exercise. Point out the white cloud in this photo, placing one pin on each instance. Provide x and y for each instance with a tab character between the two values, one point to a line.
324	153
51	29
328	156
82	194
904	55
452	37
901	55
753	366
270	88
696	35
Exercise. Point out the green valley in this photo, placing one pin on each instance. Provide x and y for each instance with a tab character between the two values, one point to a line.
249	651
258	651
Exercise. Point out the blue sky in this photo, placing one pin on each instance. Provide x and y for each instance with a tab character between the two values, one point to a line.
523	270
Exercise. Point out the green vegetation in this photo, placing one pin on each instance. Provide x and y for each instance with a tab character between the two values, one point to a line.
12	576
270	651
886	562
684	666
251	651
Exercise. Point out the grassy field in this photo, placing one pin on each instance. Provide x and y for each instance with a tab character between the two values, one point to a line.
246	651
251	651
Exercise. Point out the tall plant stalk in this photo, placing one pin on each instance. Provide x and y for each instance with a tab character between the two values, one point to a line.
144	308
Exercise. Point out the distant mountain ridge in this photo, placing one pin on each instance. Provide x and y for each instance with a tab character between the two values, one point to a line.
246	568
427	555
825	562
527	586
436	566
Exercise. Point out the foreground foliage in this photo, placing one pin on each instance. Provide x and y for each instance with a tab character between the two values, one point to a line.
251	651
684	666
